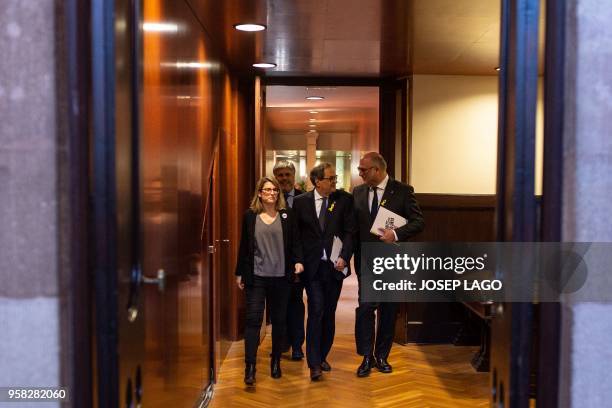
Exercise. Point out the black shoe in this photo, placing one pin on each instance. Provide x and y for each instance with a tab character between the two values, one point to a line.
383	365
325	366
315	373
249	374
275	370
297	354
366	366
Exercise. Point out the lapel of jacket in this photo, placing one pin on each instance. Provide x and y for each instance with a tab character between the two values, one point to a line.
331	199
313	208
251	226
361	198
388	193
283	217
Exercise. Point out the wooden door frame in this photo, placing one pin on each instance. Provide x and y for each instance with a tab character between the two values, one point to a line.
518	89
511	327
554	79
103	232
73	87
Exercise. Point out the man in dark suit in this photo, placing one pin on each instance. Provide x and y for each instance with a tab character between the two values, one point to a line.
284	172
379	190
323	214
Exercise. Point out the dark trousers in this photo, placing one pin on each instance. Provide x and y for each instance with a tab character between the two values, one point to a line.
295	316
275	291
369	343
323	292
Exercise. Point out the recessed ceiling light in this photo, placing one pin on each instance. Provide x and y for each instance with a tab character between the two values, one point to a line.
497	68
312	125
249	27
264	65
314	98
189	65
312	120
313	112
160	27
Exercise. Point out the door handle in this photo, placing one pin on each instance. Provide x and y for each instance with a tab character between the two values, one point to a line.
137	279
160	281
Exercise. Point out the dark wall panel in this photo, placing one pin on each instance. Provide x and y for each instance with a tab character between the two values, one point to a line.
448	218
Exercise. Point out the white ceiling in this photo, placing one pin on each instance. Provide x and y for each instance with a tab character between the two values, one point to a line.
342	110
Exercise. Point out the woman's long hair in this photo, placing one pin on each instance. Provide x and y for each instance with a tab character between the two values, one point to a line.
256	204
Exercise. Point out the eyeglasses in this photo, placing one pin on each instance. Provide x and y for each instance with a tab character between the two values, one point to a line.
364	169
331	179
270	190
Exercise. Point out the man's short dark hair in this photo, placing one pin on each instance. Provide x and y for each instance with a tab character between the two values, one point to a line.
318	172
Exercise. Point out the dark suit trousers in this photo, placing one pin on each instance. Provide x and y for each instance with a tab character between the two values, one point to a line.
323	292
295	316
369	343
275	291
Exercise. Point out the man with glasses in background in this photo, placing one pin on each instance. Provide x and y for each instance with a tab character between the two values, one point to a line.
284	172
323	214
379	190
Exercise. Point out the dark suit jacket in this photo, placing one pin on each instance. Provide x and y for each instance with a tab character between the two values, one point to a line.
296	193
339	221
246	254
397	197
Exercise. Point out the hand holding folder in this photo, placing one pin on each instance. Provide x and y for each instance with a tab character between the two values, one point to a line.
387	219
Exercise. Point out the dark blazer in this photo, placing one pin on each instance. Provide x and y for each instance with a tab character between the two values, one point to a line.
397	197
296	192
246	253
339	221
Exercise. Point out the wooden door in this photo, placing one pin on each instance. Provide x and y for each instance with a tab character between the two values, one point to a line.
511	327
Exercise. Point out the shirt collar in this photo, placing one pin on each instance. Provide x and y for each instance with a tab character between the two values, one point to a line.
383	184
317	195
291	193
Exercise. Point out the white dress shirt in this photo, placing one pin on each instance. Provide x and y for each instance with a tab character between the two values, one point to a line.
380	190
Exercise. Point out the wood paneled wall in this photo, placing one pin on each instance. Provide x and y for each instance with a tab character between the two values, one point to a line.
196	150
448	218
451	217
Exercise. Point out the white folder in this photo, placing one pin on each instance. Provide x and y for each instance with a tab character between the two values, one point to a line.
335	253
386	218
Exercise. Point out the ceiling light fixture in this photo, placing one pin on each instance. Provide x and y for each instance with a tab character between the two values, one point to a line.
313	112
264	65
312	125
314	98
160	27
189	64
251	27
312	120
498	68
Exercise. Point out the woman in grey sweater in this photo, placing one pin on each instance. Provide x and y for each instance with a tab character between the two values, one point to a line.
270	255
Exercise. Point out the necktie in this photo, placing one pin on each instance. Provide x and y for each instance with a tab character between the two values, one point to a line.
374	208
322	213
287	198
